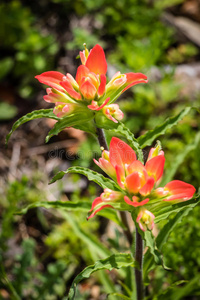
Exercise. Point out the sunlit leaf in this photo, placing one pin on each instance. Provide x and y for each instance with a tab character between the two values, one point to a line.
91	175
181	211
74	206
179	159
115	261
42	113
78	118
148	138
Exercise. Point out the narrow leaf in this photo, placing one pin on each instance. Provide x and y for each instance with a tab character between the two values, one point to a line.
42	113
182	292
115	261
150	242
133	143
171	224
84	206
68	205
151	135
163	235
164	213
91	175
179	159
78	118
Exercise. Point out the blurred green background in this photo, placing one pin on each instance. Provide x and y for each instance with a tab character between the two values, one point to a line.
42	250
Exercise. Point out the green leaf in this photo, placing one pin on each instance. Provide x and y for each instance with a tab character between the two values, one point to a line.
151	135
150	242
68	205
181	211
180	293
91	175
112	215
42	113
115	261
104	278
84	206
133	143
87	127
77	118
171	171
165	212
171	224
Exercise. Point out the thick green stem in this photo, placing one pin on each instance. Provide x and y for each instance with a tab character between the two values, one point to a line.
103	143
139	260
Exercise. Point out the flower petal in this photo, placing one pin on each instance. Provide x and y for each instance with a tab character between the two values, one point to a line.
120	175
106	166
82	71
133	79
96	61
133	182
179	190
75	95
102	86
146	189
121	153
88	90
94	105
51	78
155	166
134	202
95	203
136	166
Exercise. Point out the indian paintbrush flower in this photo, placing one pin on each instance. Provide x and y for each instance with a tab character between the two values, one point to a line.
89	89
137	183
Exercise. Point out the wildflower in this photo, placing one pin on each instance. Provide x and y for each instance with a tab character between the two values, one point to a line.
137	182
89	89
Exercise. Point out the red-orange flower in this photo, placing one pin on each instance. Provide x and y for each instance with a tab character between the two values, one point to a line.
137	182
89	88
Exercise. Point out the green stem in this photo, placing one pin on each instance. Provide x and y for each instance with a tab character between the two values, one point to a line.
139	260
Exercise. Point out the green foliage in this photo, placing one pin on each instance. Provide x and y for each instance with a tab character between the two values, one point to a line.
20	41
80	117
165	232
33	42
80	36
150	136
116	261
91	175
13	197
42	113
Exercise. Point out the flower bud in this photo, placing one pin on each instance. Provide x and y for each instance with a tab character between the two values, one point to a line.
145	219
113	113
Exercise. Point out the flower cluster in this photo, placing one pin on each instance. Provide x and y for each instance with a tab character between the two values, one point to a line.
89	89
137	182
